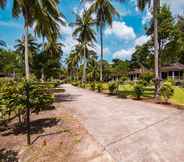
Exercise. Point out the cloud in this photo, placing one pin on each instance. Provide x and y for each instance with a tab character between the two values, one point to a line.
124	54
98	50
68	39
141	40
121	30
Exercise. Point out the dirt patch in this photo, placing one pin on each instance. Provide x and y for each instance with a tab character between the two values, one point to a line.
56	137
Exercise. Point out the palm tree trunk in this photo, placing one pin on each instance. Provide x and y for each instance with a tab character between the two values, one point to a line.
101	59
42	75
84	67
26	53
156	47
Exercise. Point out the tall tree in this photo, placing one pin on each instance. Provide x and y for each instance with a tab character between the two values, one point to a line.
32	47
104	11
32	11
166	34
156	7
73	64
85	34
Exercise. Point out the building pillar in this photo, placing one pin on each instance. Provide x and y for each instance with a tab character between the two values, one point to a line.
173	75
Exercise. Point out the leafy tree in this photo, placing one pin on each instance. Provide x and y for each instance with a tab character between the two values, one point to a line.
156	6
10	62
165	33
142	57
119	68
104	11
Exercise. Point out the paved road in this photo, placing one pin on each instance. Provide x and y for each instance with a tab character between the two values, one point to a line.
131	131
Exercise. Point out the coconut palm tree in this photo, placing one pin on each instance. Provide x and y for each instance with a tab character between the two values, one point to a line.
49	27
2	43
104	11
33	47
156	6
85	34
73	63
33	11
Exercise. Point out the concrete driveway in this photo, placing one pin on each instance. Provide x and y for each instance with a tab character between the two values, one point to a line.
131	131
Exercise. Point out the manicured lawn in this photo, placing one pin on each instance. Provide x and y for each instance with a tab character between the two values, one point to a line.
128	90
178	97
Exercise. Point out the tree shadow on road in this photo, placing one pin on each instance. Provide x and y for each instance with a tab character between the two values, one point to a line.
37	126
66	98
8	155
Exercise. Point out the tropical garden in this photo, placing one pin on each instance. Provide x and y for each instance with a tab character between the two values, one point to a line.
32	70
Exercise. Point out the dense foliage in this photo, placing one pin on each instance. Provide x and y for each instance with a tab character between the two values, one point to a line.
13	98
167	91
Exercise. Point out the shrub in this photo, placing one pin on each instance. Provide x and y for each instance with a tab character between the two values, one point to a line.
147	77
142	82
113	87
76	83
139	91
13	98
82	85
99	87
167	91
123	79
93	86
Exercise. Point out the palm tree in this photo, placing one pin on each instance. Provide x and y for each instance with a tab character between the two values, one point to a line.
104	14
73	63
156	6
32	48
85	35
93	70
53	48
33	11
32	45
2	43
49	27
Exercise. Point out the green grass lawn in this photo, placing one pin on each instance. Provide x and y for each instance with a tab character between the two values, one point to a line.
128	90
178	97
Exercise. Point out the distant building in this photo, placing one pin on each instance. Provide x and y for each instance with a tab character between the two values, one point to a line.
172	71
2	74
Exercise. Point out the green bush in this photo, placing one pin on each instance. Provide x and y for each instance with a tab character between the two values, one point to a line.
113	87
76	83
138	91
99	87
147	77
122	80
142	82
82	85
167	91
13	98
93	86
